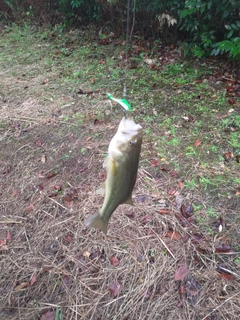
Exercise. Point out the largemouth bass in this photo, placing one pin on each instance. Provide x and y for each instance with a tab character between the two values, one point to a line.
122	166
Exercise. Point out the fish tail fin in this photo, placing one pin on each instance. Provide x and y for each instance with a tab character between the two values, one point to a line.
96	221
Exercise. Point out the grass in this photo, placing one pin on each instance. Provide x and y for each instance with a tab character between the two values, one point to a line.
53	89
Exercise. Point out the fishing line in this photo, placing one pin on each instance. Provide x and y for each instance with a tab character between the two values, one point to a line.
123	102
127	42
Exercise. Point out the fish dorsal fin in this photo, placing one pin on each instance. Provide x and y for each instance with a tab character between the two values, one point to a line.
129	201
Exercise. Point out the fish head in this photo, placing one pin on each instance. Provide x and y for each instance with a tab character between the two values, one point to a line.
127	139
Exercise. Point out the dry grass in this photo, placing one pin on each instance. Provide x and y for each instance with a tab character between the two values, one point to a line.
52	262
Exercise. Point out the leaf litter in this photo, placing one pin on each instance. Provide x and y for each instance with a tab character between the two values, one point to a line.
51	262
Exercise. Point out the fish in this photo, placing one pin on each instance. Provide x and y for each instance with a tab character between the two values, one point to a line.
122	166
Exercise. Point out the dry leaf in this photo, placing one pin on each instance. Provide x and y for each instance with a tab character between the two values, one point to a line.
227	276
34	278
174	174
30	208
181	273
174	235
15	193
232	101
68	238
8	236
197	238
38	143
146	219
51	174
180	184
198	142
92	80
223	249
3	245
114	289
130	215
154	163
95	255
163	211
22	286
114	261
172	191
228	156
48	315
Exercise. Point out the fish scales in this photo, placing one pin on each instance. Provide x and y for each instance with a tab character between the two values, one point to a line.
122	165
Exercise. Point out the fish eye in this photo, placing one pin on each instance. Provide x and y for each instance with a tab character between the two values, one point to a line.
132	142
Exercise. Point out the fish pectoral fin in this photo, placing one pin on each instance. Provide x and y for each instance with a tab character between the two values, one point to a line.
105	163
102	190
129	201
111	167
96	221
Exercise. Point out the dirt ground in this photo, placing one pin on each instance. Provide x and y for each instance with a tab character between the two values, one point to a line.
174	255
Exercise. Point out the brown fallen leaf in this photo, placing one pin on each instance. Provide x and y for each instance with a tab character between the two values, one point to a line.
228	156
68	238
146	219
114	289
192	290
51	175
174	174
181	273
130	215
38	143
30	208
171	191
154	163
198	142
197	238
95	255
48	315
174	235
180	184
223	249
232	101
92	80
163	211
227	276
3	245
15	193
65	283
114	261
187	211
146	294
8	236
34	279
21	286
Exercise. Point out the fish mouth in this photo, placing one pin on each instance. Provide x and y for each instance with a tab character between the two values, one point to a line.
129	127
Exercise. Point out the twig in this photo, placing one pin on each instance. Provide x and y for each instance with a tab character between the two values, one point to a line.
10	221
165	246
220	305
58	203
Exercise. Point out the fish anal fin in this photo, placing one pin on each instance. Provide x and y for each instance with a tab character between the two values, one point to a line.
96	221
129	201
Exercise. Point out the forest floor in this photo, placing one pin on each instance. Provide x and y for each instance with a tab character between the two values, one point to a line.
176	253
